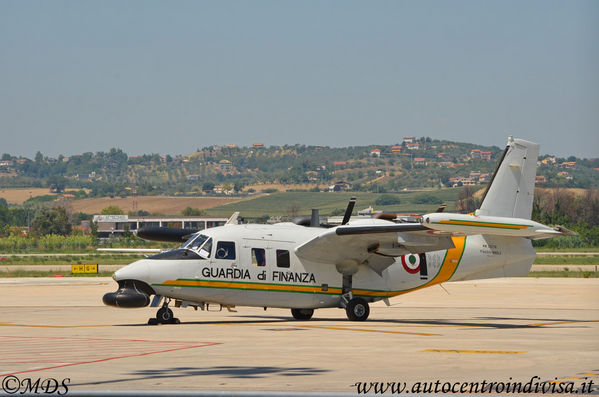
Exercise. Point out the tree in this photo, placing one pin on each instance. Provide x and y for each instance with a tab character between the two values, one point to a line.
52	221
387	199
112	210
193	212
57	183
208	186
466	201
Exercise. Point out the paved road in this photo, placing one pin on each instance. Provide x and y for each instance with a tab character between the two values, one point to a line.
502	330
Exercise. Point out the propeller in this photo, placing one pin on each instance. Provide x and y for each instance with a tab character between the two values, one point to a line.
349	210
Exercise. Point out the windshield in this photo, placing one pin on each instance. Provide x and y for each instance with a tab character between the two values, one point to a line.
202	244
195	243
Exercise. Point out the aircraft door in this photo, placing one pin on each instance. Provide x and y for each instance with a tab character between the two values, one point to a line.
224	273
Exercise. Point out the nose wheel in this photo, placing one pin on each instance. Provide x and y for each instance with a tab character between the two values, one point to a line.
164	315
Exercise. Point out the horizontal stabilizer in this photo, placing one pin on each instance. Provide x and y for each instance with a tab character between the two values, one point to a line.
492	225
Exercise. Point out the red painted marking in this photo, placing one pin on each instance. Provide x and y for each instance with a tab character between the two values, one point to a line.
29	339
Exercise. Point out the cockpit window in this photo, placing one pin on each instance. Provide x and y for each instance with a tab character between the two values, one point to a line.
195	243
201	244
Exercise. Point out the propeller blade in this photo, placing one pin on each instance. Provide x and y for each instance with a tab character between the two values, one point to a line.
349	210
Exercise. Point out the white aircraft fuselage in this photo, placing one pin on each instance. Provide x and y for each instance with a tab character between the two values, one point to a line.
307	284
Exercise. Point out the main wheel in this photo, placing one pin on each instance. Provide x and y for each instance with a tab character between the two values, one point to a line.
302	314
357	309
164	315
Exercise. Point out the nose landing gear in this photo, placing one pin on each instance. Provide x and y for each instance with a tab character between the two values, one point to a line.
164	315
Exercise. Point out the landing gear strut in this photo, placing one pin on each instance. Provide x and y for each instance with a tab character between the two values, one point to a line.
357	309
164	315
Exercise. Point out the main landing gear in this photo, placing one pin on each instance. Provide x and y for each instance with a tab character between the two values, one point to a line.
164	315
357	309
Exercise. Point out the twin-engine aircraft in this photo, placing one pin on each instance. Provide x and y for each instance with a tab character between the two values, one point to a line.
347	266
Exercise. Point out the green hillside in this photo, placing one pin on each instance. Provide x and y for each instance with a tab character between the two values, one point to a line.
285	204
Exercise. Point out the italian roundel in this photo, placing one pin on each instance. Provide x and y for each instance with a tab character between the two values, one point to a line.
411	263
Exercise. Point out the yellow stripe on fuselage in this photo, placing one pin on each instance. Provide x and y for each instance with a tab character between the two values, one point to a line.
448	268
251	286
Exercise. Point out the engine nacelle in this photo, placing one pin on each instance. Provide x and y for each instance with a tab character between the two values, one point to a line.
131	294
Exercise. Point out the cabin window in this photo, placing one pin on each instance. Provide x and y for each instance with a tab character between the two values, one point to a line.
283	258
258	257
225	250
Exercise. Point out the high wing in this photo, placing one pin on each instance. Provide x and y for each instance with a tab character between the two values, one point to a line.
374	243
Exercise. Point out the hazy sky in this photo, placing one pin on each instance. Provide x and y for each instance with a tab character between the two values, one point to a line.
169	77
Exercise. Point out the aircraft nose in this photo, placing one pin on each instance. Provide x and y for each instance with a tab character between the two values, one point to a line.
135	271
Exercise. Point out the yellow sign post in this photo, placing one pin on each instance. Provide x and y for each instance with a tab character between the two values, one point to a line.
87	269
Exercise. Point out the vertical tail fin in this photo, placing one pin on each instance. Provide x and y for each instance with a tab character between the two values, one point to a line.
511	190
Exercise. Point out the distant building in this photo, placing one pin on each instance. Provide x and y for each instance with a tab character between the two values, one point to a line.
396	149
375	152
419	161
339	163
409	139
220	189
340	186
412	145
568	164
475	175
540	179
258	145
116	225
461	181
485	156
564	174
225	165
193	177
475	153
6	163
549	161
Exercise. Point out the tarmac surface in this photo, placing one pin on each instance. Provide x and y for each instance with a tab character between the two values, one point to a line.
501	330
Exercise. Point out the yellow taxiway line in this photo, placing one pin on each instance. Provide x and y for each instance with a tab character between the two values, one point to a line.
474	351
